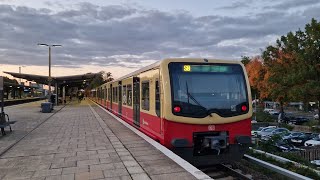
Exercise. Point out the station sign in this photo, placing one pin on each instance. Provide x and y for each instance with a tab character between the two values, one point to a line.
1	83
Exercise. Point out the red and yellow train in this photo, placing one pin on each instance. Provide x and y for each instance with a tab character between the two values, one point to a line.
198	108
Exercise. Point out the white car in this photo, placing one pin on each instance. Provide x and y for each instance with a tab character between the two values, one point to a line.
267	110
313	142
265	130
271	132
316	162
316	116
274	112
255	133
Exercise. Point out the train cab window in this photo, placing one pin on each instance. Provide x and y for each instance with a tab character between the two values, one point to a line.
124	97
145	98
157	93
129	95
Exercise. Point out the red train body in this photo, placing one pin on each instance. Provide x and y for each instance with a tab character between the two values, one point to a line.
172	102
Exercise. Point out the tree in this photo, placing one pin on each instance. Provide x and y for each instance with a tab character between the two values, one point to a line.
13	81
294	64
257	75
107	77
245	60
102	78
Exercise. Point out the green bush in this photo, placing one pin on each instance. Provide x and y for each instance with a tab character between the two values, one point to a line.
288	126
263	117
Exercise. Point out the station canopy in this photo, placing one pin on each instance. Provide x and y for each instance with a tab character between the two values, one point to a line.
73	81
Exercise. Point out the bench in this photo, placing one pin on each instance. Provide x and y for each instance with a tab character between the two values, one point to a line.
5	122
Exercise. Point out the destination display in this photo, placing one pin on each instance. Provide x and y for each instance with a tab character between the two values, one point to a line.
206	68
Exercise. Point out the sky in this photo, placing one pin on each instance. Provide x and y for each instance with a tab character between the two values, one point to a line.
120	36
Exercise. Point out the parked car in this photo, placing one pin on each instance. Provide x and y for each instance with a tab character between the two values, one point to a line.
316	162
299	120
313	142
284	146
264	130
277	131
267	110
316	116
300	140
291	135
254	133
274	112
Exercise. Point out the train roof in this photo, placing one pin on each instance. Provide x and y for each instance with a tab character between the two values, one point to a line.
157	64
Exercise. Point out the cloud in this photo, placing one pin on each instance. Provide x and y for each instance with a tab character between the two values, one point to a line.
285	5
132	37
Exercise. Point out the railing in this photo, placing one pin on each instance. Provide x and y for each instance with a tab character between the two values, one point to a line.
309	154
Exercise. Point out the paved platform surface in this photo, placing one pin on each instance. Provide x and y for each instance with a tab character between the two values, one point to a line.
81	141
28	116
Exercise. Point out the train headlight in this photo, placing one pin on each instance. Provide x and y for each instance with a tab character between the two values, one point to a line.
244	108
177	109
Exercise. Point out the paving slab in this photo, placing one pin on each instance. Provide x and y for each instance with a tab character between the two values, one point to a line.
28	116
82	141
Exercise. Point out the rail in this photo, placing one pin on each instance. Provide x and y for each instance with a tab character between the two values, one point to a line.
224	171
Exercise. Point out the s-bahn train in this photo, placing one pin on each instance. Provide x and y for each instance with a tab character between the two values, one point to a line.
198	108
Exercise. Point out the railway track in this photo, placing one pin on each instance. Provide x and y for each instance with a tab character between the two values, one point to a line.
225	172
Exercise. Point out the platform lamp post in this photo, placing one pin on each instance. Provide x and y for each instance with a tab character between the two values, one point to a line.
20	73
49	78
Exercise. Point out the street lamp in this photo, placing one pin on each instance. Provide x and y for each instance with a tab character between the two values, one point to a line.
20	73
49	79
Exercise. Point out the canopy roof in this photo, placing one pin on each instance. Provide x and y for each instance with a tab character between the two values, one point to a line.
73	80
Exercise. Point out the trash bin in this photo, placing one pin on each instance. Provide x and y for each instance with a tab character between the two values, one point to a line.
46	107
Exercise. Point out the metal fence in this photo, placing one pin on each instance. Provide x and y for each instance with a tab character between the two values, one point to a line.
309	154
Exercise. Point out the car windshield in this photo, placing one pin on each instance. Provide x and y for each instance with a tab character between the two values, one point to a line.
202	89
316	138
260	128
288	134
295	134
269	130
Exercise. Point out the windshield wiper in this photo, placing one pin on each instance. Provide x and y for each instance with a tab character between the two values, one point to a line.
192	98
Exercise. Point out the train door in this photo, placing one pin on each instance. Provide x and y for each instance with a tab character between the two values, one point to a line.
111	96
136	101
120	98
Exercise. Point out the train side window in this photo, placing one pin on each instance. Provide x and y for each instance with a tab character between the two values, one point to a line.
105	93
145	99
114	94
129	95
157	89
109	94
124	97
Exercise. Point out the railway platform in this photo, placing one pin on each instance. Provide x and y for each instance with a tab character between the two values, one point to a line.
79	141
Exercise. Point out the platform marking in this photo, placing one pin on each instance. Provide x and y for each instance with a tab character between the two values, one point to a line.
183	163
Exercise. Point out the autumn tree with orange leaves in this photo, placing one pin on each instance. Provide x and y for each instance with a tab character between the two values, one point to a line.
258	75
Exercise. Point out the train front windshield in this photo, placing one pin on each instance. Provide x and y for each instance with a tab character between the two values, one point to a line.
198	90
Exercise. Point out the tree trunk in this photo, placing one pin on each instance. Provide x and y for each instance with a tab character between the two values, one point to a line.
319	109
281	107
